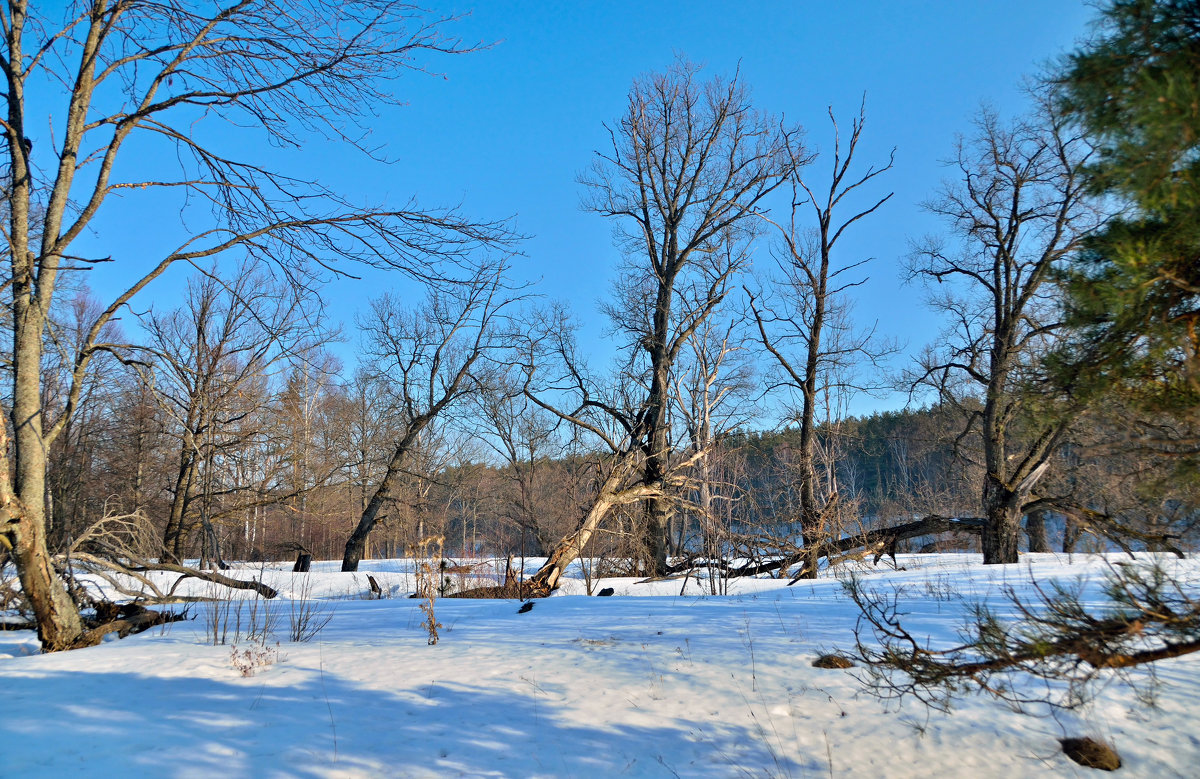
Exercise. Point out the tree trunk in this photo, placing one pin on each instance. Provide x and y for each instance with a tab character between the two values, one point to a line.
356	545
571	547
58	620
175	535
657	535
1035	528
1002	529
659	508
657	444
1071	533
59	624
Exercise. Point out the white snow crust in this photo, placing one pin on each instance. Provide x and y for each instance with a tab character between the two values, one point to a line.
660	680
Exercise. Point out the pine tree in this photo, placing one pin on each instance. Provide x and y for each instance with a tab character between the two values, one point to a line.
1135	289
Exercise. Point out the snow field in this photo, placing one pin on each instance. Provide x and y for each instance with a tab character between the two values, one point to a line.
647	683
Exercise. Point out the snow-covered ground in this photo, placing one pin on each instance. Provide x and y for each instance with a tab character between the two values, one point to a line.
651	682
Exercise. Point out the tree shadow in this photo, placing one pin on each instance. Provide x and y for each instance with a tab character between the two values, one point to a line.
114	723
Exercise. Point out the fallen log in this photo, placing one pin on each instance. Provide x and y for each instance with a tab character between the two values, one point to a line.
208	576
878	542
137	567
216	578
128	619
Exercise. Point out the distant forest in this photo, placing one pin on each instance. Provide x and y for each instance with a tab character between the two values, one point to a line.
297	468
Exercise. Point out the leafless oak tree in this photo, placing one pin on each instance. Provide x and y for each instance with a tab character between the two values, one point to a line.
690	165
1018	210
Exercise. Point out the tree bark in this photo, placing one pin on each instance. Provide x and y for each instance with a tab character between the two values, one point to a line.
59	624
356	545
175	535
1002	532
1071	533
657	447
1035	529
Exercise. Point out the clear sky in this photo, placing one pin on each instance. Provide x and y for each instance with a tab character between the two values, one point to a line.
506	131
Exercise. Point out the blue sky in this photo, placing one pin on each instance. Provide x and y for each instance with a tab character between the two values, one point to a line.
506	131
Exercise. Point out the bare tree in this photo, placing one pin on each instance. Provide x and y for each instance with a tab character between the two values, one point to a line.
804	324
431	357
129	75
712	395
72	503
304	431
369	424
526	439
1018	211
213	359
690	165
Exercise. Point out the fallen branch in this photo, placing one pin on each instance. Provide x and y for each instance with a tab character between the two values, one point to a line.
136	568
878	542
1054	636
130	619
209	576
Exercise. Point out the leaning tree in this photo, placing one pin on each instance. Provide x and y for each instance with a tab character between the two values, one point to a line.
433	358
